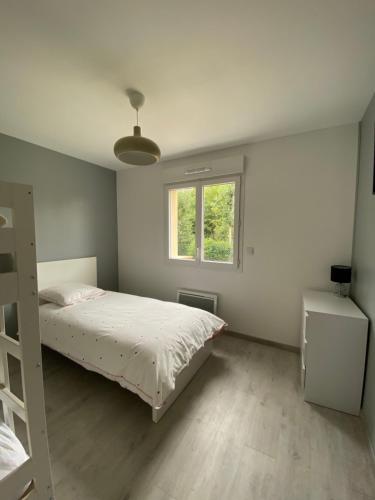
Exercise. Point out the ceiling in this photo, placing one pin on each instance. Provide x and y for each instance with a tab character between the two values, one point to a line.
215	72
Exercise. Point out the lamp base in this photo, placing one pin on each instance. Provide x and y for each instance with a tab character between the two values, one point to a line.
342	289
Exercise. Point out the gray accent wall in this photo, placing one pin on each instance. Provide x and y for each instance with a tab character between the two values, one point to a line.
363	289
75	204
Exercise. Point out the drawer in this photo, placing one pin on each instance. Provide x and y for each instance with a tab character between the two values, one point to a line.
303	375
305	318
303	363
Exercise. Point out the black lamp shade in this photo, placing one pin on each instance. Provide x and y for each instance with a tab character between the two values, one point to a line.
341	274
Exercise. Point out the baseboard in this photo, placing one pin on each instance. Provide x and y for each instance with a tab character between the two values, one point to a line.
285	347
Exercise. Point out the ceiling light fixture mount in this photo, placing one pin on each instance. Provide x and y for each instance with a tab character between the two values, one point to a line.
135	149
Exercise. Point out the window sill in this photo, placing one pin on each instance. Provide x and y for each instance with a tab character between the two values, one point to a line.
213	266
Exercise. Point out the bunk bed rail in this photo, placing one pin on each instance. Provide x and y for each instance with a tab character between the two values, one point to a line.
19	286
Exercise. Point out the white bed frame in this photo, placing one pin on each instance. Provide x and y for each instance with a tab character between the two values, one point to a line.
84	271
20	286
61	271
183	379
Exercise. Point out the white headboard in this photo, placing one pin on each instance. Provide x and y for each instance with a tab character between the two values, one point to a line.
60	271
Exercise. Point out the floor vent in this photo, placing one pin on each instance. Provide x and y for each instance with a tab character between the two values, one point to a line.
201	300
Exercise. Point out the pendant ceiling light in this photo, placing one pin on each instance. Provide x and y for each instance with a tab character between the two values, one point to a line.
135	149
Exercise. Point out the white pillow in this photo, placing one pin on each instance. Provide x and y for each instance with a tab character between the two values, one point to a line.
67	294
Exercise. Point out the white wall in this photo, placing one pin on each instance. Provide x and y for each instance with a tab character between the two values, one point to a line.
298	214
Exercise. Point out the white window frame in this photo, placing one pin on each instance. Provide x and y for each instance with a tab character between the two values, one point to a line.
199	261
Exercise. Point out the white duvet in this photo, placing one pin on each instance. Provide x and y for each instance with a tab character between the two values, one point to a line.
141	343
12	454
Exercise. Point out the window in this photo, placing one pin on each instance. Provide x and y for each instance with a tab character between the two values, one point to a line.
203	222
182	223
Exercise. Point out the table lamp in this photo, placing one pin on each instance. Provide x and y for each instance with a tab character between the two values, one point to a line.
342	276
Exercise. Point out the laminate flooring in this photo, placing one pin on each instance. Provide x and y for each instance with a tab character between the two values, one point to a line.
239	431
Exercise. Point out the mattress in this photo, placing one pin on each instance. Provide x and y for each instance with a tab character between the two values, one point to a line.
12	454
141	343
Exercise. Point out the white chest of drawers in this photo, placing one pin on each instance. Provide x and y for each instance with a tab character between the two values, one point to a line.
333	351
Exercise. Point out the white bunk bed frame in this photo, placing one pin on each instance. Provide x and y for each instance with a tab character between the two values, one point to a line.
20	287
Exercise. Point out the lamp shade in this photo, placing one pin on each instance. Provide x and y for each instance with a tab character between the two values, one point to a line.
137	150
341	274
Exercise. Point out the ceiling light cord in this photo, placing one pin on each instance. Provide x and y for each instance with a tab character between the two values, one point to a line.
136	149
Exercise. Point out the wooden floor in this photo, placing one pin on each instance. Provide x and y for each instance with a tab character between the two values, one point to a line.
240	431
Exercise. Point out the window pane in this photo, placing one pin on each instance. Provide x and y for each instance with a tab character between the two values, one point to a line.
182	210
218	220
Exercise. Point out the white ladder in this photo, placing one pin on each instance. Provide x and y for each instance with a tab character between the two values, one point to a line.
20	286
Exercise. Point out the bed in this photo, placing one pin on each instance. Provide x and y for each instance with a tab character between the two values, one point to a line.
12	456
150	347
21	475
